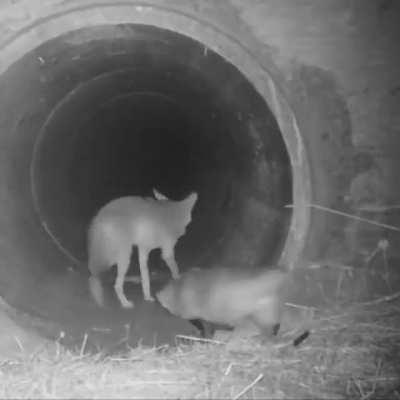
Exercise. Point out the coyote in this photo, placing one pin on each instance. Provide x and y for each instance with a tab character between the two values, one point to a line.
145	222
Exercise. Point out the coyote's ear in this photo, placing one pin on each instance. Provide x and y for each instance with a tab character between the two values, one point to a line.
159	196
191	199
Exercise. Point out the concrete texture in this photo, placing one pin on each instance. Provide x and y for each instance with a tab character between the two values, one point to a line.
329	72
354	44
17	340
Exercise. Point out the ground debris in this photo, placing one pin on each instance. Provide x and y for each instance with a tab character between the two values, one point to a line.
351	353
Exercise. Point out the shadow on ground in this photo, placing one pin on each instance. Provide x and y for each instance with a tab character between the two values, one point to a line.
63	310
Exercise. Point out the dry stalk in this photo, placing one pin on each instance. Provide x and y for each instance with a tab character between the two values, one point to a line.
197	339
383	299
83	345
248	387
351	216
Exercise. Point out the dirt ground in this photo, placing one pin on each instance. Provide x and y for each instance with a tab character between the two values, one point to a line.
352	353
353	350
72	318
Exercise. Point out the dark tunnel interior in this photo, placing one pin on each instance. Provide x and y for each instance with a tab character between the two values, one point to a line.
111	111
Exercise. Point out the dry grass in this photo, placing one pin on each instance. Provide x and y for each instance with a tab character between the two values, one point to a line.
353	353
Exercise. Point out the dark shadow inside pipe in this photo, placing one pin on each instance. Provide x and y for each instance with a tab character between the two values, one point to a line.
118	110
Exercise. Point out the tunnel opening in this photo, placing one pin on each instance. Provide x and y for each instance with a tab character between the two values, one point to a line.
162	114
113	110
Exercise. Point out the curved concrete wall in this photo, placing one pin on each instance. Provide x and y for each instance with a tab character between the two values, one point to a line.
310	62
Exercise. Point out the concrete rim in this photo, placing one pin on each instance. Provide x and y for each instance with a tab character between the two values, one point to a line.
43	29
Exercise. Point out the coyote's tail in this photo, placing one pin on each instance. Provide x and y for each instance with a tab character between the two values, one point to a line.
97	260
96	289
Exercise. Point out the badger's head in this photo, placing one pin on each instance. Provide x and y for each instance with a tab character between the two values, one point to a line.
178	296
167	296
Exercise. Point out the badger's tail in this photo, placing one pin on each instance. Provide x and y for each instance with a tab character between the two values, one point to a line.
96	289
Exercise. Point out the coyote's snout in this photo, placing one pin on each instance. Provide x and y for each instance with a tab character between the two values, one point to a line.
145	222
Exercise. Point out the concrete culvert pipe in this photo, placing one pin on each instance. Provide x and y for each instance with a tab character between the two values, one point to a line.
103	111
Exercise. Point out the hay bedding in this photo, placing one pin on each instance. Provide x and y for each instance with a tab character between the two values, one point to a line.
352	353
